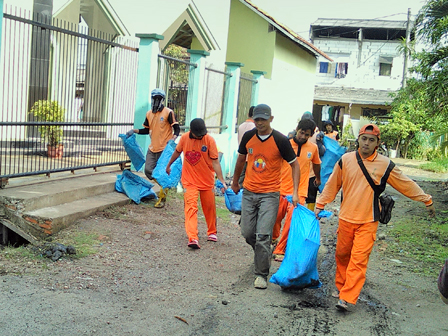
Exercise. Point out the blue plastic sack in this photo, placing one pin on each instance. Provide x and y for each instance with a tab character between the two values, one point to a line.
159	172
233	201
134	186
133	150
332	154
299	267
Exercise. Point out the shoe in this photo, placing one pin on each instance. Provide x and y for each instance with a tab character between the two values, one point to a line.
260	282
342	305
162	198
279	257
335	294
194	244
212	237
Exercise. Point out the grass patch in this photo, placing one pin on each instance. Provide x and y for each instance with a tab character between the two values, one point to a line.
421	241
86	243
221	210
21	252
437	165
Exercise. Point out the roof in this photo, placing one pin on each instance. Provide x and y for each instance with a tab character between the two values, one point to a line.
296	38
352	95
358	23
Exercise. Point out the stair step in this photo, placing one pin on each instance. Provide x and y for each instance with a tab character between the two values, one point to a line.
54	218
53	193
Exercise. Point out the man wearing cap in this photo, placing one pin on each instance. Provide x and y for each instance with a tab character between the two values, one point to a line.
265	149
161	125
358	216
198	178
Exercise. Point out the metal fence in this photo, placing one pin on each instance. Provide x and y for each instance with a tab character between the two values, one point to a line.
68	92
173	77
215	81
244	97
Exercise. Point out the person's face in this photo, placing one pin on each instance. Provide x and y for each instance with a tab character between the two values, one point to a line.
367	144
303	136
263	126
329	128
194	136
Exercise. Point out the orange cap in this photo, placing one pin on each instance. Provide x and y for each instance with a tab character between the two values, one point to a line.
373	129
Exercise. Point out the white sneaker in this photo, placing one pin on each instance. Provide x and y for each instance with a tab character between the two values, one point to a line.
260	282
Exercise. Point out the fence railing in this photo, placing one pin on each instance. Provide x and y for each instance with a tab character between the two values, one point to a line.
68	91
215	82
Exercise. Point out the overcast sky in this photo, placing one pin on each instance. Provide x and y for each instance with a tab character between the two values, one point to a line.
299	14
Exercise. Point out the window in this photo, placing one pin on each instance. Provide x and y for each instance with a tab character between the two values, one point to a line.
323	67
373	113
341	70
385	65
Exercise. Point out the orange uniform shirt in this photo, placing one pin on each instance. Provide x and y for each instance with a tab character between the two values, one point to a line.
357	203
332	135
308	155
197	168
160	126
264	160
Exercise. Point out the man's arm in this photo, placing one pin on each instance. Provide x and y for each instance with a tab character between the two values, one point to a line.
296	180
240	161
217	168
316	170
331	189
175	155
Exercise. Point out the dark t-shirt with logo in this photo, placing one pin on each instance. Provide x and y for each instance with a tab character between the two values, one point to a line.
264	160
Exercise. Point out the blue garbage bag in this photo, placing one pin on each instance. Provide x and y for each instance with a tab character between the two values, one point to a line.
133	150
233	201
299	267
159	172
134	186
332	154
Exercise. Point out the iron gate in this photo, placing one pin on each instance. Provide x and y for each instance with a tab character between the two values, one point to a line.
68	92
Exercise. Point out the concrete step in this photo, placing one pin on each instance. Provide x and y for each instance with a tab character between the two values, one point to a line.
55	218
52	193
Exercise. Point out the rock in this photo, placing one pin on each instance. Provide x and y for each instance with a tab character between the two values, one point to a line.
224	302
381	236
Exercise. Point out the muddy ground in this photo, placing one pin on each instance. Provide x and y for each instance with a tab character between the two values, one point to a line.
143	280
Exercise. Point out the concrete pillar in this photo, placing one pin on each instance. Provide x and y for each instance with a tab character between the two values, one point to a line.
146	81
230	108
256	86
195	98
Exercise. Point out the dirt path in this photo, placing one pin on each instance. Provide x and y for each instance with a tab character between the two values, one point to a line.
145	281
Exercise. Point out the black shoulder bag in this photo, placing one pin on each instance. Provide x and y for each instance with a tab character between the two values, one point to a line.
386	201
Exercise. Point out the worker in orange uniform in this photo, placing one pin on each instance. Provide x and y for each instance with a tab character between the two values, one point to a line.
329	130
359	212
307	155
161	125
198	177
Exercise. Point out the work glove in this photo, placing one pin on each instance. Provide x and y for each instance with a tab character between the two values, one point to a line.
129	133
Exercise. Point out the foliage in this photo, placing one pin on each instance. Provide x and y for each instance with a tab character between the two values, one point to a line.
431	29
421	146
421	240
437	164
49	111
347	134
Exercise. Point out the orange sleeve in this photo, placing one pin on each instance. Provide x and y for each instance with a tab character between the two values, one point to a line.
212	149
408	187
180	145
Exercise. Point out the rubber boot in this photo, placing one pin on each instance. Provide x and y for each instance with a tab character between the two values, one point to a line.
162	198
311	206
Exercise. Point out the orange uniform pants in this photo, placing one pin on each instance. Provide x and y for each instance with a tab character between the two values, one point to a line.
282	208
191	211
281	246
353	248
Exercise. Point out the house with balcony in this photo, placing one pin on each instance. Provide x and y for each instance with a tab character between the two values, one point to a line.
367	67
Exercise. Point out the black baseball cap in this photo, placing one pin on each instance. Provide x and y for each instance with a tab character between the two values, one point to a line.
197	127
262	111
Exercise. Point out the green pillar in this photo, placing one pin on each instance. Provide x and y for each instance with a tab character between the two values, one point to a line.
1	25
196	88
146	81
229	114
256	86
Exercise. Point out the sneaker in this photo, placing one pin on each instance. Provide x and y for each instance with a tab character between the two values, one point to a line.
342	305
335	294
194	244
212	237
260	282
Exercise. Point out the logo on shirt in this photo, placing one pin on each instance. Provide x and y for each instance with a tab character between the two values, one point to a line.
193	157
251	151
259	163
308	155
204	148
161	119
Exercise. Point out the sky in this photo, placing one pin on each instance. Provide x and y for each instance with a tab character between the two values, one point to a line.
299	14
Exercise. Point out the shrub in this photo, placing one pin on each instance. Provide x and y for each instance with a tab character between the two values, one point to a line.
50	111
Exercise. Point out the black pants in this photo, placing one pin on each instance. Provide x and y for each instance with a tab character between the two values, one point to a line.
312	191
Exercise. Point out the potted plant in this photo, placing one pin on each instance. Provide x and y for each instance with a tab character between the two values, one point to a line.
50	111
